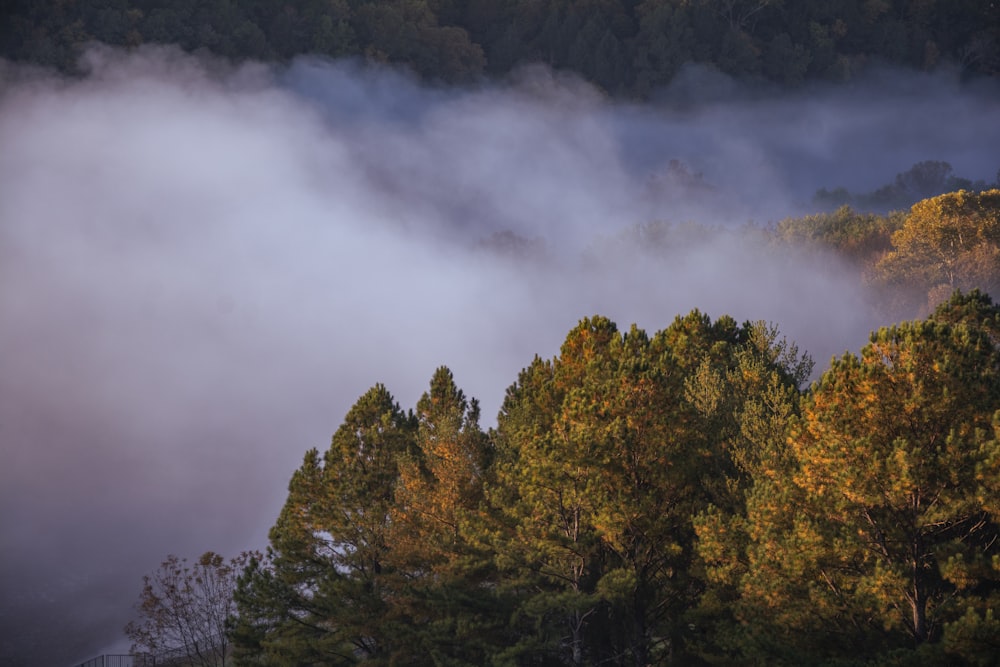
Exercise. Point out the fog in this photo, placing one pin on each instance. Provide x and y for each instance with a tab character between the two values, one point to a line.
202	266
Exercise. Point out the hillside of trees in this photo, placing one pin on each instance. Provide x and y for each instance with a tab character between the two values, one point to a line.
626	47
680	498
673	499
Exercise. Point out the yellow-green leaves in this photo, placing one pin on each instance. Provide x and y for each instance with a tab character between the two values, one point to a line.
948	242
876	528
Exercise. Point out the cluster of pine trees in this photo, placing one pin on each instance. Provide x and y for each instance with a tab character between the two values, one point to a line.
667	499
624	46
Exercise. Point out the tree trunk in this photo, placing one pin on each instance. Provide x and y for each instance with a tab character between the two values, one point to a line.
577	647
640	648
918	605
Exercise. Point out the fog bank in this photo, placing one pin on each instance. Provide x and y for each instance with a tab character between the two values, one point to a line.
202	267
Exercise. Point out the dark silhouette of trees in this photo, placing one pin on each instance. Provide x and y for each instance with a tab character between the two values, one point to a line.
624	46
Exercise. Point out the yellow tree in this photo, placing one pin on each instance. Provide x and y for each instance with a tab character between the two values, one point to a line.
947	242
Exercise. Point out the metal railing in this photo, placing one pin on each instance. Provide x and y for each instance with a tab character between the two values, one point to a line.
178	657
117	661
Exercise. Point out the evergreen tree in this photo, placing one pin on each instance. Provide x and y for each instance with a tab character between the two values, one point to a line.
442	572
605	456
323	597
875	529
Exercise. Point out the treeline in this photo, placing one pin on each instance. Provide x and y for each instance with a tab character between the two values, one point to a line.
673	499
921	181
916	259
911	260
626	47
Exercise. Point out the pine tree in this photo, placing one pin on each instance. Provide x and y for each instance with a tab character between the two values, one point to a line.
323	598
605	456
875	530
442	571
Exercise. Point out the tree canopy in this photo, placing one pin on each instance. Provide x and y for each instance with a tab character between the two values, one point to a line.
623	46
679	498
874	534
947	242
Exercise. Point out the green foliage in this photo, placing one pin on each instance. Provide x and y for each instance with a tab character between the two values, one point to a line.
324	595
859	237
407	31
605	455
665	41
436	533
875	528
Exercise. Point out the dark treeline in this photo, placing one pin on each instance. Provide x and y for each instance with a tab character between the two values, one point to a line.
921	181
624	46
672	499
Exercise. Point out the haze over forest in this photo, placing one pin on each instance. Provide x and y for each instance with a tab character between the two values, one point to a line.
203	264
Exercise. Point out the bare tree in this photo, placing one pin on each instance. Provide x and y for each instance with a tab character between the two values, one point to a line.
183	609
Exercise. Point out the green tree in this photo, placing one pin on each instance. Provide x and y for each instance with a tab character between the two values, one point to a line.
664	42
408	32
741	14
875	529
745	395
605	455
784	61
859	237
324	595
442	572
546	548
440	482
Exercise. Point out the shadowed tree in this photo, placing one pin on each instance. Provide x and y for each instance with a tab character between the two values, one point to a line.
323	596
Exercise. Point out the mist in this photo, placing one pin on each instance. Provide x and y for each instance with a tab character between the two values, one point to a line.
202	267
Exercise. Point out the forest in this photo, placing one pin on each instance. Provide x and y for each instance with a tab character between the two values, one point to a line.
677	498
625	47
